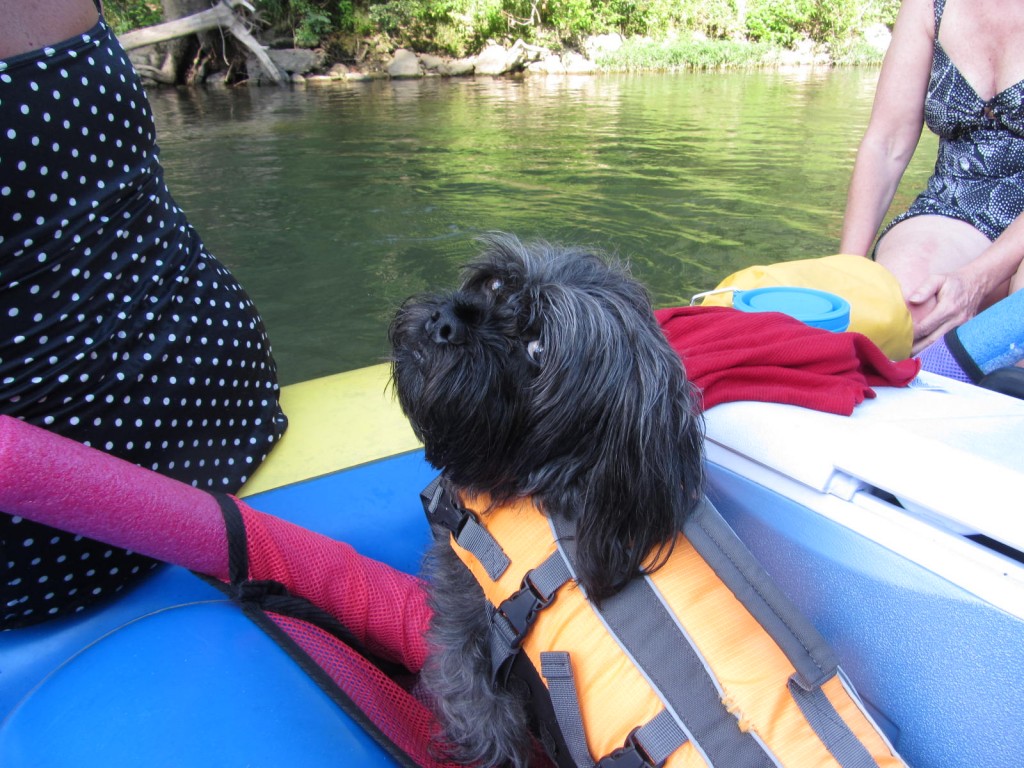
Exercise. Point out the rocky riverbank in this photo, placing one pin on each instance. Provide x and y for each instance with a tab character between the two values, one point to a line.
302	66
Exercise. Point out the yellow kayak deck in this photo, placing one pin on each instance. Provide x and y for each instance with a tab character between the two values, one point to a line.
335	422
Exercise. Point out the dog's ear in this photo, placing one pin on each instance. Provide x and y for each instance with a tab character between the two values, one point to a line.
647	478
631	458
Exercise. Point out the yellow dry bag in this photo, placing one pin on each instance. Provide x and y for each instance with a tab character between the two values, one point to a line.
877	308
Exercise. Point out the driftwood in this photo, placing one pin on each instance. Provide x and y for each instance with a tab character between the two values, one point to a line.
165	75
220	16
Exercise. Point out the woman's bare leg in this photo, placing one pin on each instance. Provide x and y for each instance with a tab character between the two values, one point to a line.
923	246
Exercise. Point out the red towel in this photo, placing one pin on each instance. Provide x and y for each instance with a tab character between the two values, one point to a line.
774	358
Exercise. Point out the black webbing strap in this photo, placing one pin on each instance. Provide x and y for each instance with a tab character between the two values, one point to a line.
238	546
252	597
443	509
644	627
271	596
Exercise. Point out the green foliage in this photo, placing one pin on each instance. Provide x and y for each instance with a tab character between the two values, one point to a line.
125	15
645	55
314	23
834	22
308	22
461	27
779	22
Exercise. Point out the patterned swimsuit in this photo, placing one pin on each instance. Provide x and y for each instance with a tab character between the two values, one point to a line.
979	172
119	329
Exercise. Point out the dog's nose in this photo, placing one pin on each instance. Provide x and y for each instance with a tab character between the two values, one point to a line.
444	327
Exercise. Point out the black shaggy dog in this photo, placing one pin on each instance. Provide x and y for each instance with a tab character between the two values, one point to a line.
545	376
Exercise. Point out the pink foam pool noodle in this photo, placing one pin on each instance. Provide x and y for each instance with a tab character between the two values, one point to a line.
59	482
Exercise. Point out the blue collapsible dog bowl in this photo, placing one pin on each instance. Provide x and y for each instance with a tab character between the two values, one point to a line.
809	305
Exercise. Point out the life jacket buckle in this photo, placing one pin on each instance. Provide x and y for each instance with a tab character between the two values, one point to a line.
520	608
630	755
442	508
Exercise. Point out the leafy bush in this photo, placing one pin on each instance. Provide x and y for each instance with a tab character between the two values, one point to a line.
125	15
834	22
779	22
639	55
308	22
460	27
314	23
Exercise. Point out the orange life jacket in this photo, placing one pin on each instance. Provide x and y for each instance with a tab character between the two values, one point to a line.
748	696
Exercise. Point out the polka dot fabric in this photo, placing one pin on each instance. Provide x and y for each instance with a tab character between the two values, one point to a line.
119	329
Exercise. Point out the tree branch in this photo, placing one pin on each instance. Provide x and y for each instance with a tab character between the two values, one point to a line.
221	15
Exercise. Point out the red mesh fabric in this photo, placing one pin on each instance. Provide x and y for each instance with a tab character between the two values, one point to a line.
385	609
406	722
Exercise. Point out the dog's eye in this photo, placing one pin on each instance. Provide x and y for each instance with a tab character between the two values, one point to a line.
496	285
535	349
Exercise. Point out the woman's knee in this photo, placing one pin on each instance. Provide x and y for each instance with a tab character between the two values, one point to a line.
922	246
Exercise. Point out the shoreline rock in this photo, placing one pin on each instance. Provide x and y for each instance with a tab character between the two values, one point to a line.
301	65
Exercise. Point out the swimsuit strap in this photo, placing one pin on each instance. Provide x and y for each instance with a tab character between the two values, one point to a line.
939	6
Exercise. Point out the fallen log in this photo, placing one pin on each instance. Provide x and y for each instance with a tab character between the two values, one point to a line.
220	16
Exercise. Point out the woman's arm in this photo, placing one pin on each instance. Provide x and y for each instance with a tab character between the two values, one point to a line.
31	24
894	129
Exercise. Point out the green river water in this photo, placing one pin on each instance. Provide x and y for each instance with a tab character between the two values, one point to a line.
333	203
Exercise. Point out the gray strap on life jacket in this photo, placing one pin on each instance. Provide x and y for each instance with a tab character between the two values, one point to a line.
556	668
649	745
810	654
474	538
833	731
512	619
443	509
651	635
660	737
720	547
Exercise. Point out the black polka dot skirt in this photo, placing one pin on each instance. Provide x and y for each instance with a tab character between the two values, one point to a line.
119	329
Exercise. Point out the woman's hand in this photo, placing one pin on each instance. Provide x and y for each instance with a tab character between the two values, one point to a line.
941	303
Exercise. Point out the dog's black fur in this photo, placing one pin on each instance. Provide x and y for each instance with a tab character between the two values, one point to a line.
545	376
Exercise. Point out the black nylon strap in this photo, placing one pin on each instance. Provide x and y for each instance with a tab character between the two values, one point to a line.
258	599
238	546
645	628
265	595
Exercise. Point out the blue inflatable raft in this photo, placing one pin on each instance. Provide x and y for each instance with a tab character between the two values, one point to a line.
898	531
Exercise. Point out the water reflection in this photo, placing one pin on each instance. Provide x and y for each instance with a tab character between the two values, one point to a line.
332	204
